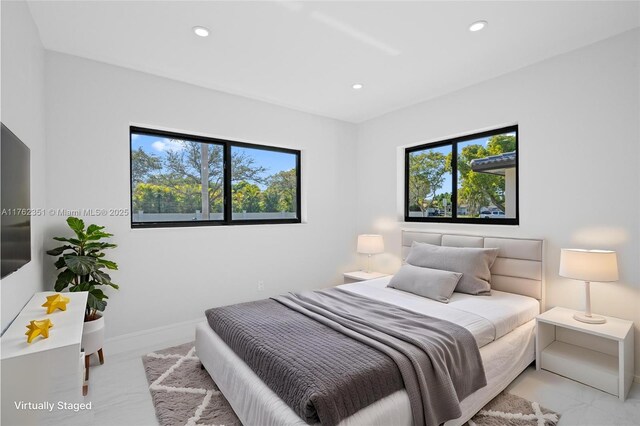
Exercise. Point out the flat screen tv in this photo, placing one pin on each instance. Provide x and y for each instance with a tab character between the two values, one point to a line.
15	202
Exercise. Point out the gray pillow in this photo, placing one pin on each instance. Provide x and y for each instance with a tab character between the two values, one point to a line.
473	263
432	283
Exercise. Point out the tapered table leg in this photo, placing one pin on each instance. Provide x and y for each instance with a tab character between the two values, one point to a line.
87	363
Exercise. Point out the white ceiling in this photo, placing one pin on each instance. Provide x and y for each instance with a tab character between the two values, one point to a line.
307	55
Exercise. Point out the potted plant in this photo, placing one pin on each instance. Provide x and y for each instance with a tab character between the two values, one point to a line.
82	266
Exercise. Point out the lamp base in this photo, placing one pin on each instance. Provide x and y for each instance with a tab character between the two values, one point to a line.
591	319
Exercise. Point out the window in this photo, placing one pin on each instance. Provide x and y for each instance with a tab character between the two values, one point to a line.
470	179
182	180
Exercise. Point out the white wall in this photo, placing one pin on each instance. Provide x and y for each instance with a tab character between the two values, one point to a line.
22	111
579	153
173	275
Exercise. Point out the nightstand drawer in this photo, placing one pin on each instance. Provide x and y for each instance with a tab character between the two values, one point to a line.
583	365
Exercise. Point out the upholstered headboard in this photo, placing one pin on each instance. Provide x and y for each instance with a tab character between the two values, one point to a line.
518	269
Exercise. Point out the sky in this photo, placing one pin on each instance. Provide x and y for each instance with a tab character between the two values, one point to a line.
273	161
445	150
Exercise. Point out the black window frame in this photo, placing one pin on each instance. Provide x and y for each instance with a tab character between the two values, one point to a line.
227	179
453	142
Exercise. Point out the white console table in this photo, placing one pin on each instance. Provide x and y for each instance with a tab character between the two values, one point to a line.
49	369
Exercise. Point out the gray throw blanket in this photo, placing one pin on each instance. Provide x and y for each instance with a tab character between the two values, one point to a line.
330	353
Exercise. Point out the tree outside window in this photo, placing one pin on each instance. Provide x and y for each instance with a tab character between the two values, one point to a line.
175	179
470	179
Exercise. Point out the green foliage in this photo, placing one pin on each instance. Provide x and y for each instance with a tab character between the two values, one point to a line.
174	185
183	174
482	189
427	172
185	168
158	198
246	197
280	195
81	263
143	165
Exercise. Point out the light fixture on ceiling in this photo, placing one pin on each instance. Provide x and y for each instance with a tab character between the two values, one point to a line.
477	26
201	31
357	86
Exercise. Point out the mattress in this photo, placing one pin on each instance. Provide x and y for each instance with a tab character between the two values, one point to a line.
503	318
488	318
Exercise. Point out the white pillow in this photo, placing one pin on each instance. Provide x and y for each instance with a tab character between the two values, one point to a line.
473	263
426	282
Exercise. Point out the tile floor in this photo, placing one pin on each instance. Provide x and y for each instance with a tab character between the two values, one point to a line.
577	403
119	395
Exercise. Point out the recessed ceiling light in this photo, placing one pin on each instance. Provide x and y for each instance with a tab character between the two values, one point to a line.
201	31
358	86
477	26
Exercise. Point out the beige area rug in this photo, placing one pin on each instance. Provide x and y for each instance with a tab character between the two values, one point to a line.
184	394
511	410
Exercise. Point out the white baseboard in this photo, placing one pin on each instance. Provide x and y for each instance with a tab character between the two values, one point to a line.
154	338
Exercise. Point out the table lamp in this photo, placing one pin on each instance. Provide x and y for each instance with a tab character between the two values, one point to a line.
370	244
588	266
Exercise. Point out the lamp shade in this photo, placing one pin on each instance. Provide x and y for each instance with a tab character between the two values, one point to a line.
370	244
589	265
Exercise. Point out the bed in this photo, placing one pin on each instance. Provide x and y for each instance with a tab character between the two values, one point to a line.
502	325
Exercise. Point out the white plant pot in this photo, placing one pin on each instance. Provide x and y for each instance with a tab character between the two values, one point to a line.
93	336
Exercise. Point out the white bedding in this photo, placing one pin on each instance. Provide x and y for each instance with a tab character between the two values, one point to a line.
487	317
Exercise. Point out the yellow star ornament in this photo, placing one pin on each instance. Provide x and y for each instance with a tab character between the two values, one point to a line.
38	328
57	301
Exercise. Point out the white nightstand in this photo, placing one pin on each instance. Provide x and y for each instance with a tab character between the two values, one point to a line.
352	277
598	355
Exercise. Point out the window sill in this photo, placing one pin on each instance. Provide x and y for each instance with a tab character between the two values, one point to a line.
483	225
201	226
